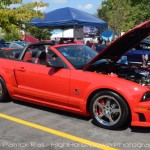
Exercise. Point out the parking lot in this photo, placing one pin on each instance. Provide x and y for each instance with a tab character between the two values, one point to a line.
25	126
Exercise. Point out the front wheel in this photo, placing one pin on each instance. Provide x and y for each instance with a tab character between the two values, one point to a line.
109	110
4	96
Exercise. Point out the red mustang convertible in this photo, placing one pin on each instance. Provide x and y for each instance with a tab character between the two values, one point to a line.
74	78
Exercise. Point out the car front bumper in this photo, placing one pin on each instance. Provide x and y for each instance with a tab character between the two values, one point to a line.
141	115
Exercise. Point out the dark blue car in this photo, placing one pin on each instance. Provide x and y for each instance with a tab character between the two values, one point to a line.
2	43
140	53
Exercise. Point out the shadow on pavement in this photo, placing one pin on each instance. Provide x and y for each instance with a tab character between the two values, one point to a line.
69	114
48	109
140	129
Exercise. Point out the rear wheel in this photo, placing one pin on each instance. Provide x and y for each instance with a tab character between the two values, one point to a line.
4	96
109	110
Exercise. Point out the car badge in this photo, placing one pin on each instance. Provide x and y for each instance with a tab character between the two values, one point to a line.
76	92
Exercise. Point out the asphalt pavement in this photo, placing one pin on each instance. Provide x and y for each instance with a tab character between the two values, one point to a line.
25	126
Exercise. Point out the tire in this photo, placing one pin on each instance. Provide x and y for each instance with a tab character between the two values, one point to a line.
109	110
4	96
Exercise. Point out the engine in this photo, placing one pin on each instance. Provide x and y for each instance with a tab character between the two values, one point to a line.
132	73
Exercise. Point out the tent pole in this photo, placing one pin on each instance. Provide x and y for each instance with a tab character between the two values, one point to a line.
74	31
62	33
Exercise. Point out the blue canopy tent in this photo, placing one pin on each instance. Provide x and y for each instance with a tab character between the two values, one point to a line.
67	17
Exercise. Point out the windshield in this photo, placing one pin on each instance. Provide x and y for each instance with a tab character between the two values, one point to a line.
78	55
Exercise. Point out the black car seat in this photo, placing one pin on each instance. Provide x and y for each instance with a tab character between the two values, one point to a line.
40	58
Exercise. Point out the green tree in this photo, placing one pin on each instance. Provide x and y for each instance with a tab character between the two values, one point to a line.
41	34
123	15
13	18
11	35
116	13
142	8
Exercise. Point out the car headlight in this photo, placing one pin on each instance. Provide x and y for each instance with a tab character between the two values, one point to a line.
146	97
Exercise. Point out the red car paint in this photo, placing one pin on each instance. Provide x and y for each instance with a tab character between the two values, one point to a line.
70	89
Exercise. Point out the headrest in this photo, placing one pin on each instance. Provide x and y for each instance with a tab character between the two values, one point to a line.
41	54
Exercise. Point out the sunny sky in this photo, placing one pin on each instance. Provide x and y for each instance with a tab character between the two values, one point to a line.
89	6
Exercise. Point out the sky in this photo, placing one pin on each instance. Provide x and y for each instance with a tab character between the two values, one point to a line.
89	6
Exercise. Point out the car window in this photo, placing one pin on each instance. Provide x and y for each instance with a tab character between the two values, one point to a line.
51	56
142	46
77	55
145	46
10	54
30	54
40	54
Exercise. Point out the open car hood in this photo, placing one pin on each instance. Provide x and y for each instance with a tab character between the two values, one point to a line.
120	46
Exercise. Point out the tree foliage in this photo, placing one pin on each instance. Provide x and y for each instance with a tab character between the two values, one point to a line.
15	15
122	15
41	34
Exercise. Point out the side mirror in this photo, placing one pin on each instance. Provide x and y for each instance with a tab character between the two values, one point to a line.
54	64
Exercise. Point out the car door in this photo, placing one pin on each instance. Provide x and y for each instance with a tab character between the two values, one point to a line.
39	82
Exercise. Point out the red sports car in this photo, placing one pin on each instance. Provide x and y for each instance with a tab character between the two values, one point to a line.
74	78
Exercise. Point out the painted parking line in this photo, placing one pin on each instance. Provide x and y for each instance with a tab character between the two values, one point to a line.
58	133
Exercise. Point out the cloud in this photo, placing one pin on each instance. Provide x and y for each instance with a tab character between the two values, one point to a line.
42	9
38	1
59	1
86	7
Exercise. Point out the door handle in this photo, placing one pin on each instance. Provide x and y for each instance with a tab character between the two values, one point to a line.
21	69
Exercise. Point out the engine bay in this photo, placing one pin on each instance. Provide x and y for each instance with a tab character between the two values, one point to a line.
133	73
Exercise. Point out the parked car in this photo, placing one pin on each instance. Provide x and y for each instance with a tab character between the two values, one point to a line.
2	43
75	78
7	44
3	46
136	54
18	44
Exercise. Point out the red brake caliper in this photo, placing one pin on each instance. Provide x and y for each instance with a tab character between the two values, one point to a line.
99	110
